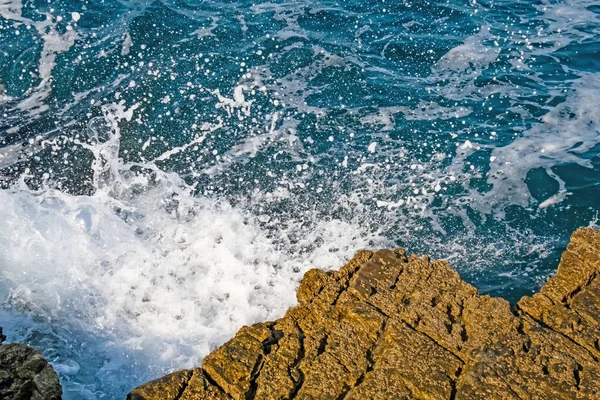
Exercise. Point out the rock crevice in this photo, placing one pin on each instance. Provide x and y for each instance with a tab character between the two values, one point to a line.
392	326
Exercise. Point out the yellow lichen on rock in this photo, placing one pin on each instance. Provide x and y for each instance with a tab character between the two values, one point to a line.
392	326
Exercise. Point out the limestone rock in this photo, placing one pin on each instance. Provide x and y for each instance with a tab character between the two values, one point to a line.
26	375
392	326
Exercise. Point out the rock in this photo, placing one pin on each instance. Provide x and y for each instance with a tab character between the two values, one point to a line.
392	326
25	374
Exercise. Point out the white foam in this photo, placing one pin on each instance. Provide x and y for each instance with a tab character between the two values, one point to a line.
463	64
237	102
152	274
567	22
555	199
54	44
565	133
204	32
127	43
12	10
471	54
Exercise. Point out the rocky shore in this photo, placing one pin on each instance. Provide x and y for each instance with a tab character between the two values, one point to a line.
392	326
25	374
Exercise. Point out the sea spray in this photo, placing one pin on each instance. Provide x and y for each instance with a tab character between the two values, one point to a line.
142	274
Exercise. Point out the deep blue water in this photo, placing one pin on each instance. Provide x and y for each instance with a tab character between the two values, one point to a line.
171	168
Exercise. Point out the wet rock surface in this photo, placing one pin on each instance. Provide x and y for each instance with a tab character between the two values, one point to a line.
25	374
392	326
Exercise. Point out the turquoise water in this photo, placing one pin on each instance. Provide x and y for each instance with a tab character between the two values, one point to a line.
170	169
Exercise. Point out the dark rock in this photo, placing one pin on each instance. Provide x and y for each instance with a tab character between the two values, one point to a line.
26	375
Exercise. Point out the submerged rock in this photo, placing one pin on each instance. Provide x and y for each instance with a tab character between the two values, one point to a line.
25	374
392	326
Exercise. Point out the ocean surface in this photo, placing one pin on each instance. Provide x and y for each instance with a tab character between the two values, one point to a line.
170	169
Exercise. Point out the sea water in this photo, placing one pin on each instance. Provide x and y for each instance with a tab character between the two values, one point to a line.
170	169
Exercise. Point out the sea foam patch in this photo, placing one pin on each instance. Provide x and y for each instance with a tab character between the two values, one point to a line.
159	274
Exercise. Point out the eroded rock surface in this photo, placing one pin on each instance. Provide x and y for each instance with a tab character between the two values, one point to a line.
392	326
25	374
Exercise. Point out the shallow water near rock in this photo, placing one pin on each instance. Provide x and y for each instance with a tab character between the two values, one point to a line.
169	170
